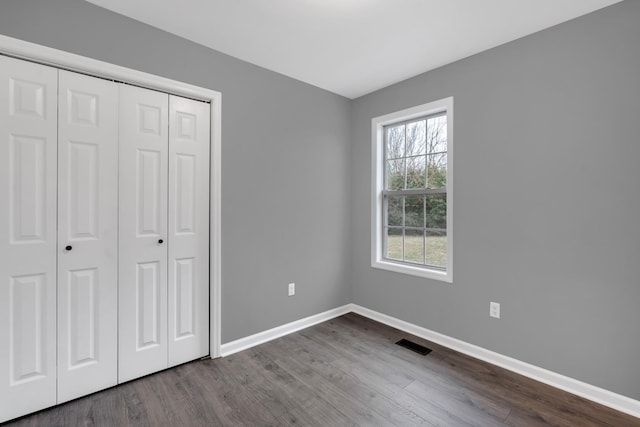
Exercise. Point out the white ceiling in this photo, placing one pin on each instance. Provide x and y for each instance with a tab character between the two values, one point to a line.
352	47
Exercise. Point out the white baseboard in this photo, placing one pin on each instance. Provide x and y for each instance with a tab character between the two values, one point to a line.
280	331
596	394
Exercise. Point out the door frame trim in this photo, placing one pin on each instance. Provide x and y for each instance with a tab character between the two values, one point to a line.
21	49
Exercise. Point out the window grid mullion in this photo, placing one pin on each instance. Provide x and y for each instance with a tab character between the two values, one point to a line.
424	230
404	159
385	226
404	199
384	160
403	224
415	192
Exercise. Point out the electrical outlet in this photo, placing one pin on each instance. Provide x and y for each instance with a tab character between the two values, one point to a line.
494	309
292	289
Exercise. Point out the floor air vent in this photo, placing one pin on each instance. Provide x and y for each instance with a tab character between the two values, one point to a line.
414	347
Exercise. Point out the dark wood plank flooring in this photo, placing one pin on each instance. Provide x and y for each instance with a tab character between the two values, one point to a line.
344	372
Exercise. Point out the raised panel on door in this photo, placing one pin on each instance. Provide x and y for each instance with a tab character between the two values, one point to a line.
28	117
189	130
87	235
143	231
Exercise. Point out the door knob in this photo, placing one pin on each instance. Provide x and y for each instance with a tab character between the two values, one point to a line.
161	241
68	247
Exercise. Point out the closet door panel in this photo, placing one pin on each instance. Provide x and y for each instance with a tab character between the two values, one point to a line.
28	121
143	231
188	229
87	235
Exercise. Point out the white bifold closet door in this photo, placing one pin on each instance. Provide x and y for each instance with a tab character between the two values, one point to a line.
104	234
28	169
188	229
143	231
164	231
87	235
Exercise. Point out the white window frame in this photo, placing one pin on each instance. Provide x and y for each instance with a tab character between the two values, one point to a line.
377	186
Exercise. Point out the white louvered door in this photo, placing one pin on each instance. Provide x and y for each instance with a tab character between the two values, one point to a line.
28	121
87	235
188	230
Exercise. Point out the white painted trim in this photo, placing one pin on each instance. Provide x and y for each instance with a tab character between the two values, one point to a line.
596	394
69	61
215	229
280	331
72	62
377	179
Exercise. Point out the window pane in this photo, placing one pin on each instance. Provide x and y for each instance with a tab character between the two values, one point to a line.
437	171
395	175
414	246
394	211
413	230
414	211
416	167
416	142
394	243
437	249
395	142
436	211
437	134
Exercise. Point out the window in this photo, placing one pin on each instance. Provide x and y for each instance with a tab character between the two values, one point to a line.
412	166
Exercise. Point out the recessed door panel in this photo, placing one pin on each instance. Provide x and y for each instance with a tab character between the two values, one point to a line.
28	98
183	299
87	235
143	231
148	191
185	193
83	190
82	108
149	119
83	313
28	122
26	328
148	306
188	229
28	188
185	125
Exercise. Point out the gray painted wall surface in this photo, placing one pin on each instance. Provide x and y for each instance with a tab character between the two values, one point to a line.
285	151
546	198
547	201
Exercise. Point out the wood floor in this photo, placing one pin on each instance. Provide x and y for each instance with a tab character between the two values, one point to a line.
344	372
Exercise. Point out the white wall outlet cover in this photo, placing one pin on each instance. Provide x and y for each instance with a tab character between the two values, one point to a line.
494	310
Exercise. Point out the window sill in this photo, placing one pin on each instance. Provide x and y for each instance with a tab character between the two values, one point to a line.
443	276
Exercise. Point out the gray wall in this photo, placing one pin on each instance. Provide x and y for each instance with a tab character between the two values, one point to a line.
547	201
285	218
546	198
